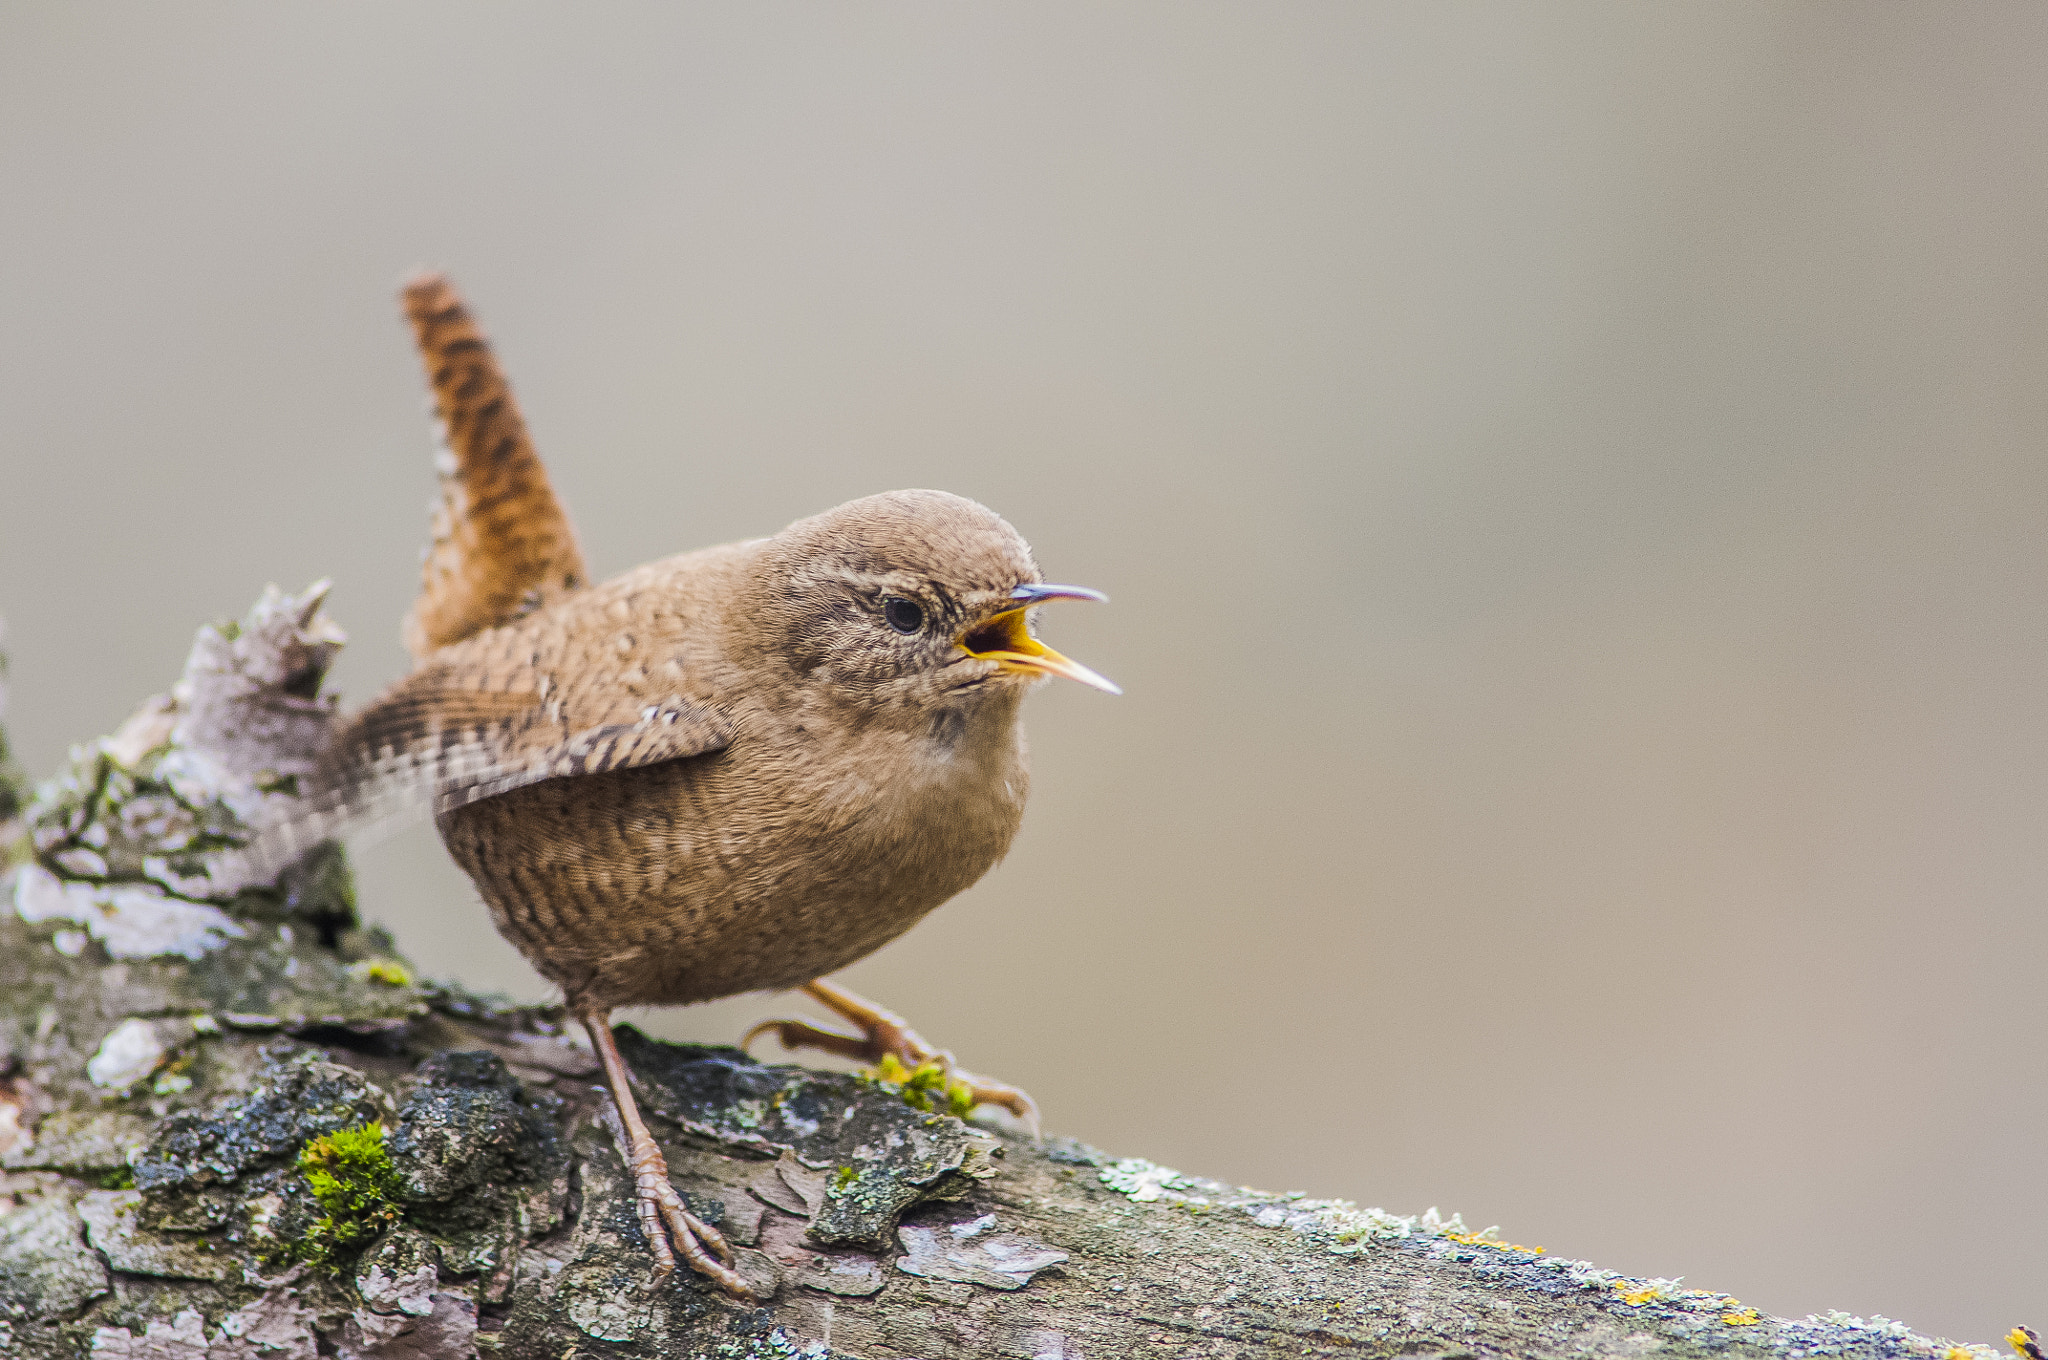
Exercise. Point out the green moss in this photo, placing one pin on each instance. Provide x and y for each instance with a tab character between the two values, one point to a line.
925	1087
847	1175
351	1176
120	1178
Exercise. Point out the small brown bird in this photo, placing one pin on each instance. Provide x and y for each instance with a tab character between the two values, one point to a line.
738	769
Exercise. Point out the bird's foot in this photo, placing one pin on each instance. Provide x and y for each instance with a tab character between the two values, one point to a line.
664	1218
898	1055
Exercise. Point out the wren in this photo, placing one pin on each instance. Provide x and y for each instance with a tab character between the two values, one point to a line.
733	770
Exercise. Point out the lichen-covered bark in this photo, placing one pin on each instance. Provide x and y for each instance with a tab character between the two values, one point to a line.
170	1097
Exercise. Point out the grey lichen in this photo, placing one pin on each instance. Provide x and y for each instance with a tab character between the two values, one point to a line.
89	1144
115	1227
276	1326
46	1268
480	1159
131	839
973	1250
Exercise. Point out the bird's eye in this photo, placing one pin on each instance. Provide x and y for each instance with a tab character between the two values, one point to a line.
905	616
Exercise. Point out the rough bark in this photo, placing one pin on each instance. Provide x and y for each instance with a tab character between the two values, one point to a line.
183	1057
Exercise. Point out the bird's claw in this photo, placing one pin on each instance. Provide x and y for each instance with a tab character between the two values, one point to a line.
794	1032
897	1054
664	1218
1011	1098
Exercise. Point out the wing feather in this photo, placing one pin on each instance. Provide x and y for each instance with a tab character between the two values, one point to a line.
433	743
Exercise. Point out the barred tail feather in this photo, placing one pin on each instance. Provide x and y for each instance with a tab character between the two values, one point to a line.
502	544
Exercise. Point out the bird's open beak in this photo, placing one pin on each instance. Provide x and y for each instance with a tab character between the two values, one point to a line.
1007	641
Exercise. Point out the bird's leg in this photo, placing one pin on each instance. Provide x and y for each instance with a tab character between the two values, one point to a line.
884	1038
663	1215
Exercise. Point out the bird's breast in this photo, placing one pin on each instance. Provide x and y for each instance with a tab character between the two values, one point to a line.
923	806
791	853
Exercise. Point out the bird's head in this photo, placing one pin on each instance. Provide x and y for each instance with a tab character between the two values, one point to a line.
910	599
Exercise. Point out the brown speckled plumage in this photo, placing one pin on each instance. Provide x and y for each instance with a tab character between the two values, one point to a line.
501	544
832	795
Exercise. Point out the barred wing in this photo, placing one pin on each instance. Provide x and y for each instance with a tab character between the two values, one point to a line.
432	744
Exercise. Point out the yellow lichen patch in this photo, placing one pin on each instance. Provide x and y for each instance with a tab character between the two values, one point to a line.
1646	1291
890	1068
383	972
1741	1317
928	1086
1485	1239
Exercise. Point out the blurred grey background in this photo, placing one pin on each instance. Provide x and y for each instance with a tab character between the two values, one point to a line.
1570	475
